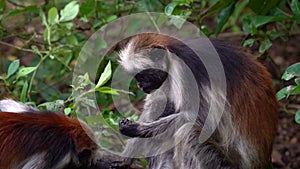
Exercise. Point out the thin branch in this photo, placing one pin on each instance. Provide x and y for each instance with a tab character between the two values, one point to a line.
16	4
63	63
34	74
20	48
153	21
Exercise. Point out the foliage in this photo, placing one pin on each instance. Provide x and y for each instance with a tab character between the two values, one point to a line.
262	21
292	72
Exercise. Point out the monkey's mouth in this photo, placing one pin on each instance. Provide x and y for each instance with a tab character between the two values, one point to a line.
144	88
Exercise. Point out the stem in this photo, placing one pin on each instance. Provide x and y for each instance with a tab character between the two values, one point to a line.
60	61
79	96
34	74
49	36
153	21
22	49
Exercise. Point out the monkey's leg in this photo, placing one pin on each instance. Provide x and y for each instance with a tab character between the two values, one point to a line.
162	161
190	153
164	125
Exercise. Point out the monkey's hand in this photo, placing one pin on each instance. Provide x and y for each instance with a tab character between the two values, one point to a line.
128	128
146	130
108	164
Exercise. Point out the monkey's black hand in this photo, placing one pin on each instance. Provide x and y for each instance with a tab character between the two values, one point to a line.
106	164
128	128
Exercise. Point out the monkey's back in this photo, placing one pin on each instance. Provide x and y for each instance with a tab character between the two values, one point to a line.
251	97
45	135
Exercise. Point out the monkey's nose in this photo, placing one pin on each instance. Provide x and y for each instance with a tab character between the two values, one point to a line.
139	85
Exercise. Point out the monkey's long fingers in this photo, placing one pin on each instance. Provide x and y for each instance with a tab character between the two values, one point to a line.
128	128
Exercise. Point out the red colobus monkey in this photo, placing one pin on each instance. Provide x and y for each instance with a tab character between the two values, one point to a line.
244	136
30	139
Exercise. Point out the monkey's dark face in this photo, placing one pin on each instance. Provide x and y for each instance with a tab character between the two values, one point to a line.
150	79
148	64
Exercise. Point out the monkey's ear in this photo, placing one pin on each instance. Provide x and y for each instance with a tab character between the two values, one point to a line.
157	53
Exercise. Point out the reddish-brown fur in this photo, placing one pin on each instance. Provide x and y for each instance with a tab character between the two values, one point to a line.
23	135
256	115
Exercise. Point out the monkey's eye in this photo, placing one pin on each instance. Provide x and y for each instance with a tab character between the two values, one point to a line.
157	53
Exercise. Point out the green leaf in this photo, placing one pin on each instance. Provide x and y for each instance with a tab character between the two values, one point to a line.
223	16
88	102
111	18
2	6
72	40
21	11
248	26
87	7
218	6
107	90
177	21
111	119
23	71
100	44
297	81
284	92
281	94
13	67
291	72
274	35
67	111
42	15
287	76
87	80
105	75
69	12
170	8
45	34
262	6
265	45
262	20
297	117
205	31
53	106
248	42
68	25
295	91
162	19
52	16
295	6
125	92
144	163
95	119
24	92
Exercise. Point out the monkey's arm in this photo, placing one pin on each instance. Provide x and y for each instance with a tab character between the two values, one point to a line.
167	124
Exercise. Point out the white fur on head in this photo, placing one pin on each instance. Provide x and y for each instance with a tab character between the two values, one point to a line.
9	105
134	61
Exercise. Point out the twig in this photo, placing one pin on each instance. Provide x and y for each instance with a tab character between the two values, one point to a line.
153	21
16	4
34	74
20	48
